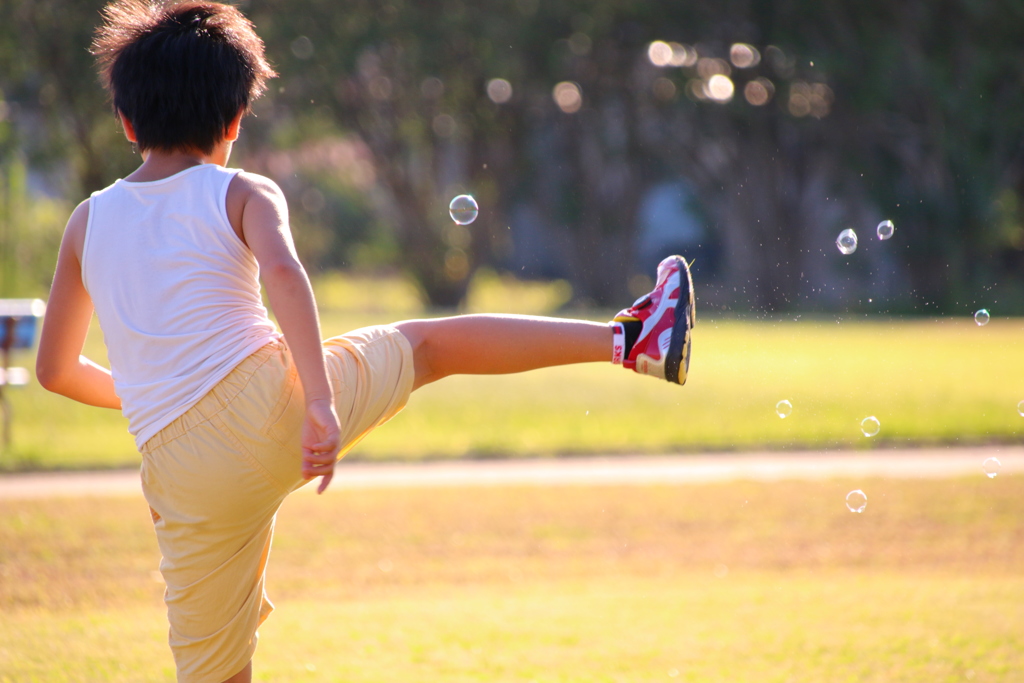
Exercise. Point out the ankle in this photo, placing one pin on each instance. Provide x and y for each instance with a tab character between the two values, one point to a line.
624	336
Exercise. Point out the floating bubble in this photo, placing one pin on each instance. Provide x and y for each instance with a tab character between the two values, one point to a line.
991	467
783	409
856	501
1020	408
463	209
847	241
870	426
982	317
885	230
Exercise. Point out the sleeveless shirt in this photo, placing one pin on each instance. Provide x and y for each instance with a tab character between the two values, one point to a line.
176	292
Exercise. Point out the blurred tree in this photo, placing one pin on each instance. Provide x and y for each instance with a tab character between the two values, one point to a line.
791	119
60	112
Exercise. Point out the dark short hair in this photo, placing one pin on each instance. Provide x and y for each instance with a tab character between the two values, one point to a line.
179	71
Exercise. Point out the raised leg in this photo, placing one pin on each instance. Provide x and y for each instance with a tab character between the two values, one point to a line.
501	344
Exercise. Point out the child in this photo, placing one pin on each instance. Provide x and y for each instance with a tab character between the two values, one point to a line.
230	414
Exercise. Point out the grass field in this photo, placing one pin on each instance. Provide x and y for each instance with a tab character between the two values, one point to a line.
927	381
725	582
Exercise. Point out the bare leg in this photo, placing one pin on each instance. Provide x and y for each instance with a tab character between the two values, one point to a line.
500	344
243	676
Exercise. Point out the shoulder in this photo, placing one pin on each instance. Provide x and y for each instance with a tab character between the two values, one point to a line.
80	216
245	186
74	233
250	190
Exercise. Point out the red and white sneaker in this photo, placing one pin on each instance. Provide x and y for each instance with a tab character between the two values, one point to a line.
667	316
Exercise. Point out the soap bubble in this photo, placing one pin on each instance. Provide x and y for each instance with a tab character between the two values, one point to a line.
783	409
463	209
885	230
870	426
982	317
991	467
856	501
847	241
1020	408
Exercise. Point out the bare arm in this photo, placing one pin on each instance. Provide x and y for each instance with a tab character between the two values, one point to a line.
259	213
60	367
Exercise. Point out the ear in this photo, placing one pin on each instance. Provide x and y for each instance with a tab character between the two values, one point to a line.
231	133
129	130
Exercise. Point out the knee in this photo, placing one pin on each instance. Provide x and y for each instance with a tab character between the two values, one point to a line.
424	367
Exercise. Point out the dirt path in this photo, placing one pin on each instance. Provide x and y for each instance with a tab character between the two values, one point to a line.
641	469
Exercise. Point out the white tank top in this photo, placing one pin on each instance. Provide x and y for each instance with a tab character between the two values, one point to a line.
176	291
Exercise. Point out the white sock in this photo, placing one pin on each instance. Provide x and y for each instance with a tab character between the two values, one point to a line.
618	343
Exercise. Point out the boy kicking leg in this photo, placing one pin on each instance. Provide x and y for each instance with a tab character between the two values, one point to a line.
230	411
652	337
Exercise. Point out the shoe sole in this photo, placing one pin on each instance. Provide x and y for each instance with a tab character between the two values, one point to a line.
677	360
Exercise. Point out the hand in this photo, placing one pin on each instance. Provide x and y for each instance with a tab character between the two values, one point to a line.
321	441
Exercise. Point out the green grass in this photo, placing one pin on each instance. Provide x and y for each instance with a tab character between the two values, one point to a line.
927	381
724	582
858	628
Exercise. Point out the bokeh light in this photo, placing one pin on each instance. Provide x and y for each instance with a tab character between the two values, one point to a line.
744	56
456	265
580	44
568	97
664	89
759	91
432	87
720	88
695	89
810	99
444	126
660	53
712	66
682	55
499	90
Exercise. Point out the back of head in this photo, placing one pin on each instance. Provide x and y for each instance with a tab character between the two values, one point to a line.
179	71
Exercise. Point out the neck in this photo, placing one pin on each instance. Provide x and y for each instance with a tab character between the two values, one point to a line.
159	164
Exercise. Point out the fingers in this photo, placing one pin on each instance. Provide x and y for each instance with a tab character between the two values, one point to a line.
324	453
325	482
321	442
317	463
319	452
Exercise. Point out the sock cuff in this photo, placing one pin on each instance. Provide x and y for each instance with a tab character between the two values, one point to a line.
618	342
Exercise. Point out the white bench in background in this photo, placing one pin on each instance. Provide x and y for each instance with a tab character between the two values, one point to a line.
19	320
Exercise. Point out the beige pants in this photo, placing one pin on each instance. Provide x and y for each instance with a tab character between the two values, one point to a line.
215	477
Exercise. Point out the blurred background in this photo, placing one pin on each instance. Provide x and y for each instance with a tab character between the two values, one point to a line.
597	137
